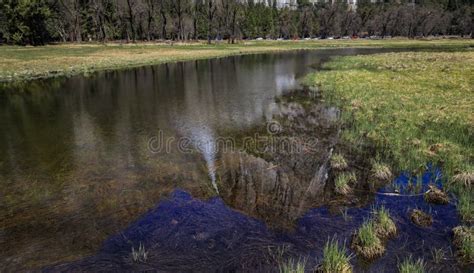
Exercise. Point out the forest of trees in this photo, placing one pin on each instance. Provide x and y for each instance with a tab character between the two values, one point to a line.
38	22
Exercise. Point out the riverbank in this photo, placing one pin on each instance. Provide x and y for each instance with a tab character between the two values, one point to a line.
412	108
27	63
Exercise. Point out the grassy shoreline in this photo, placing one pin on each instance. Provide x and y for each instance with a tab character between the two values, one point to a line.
28	63
412	108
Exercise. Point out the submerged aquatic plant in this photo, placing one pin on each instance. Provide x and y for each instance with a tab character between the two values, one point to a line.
421	218
342	182
411	266
345	214
338	162
438	255
140	255
335	259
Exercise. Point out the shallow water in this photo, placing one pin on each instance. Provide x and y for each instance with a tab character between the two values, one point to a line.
183	233
82	158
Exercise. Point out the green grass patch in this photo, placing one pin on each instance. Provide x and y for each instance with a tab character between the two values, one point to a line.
292	266
342	182
335	258
381	171
338	162
466	205
411	266
25	63
383	223
366	242
412	108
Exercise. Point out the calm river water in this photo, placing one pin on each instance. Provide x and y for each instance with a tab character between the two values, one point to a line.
93	165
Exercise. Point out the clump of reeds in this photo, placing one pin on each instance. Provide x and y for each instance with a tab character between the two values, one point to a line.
464	178
436	196
338	162
411	266
463	239
335	259
139	255
384	225
369	240
366	241
292	266
381	171
466	206
421	218
342	183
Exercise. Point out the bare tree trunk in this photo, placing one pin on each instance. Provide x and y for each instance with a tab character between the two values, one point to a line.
164	20
131	19
210	16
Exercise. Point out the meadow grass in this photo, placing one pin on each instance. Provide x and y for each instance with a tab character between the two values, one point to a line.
411	266
413	108
335	258
25	63
466	206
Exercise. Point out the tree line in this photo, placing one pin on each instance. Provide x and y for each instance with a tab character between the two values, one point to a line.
38	22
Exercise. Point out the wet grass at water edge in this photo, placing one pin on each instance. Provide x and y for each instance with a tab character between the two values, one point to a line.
412	108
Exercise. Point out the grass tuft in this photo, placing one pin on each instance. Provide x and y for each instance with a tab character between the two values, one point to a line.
466	206
335	259
292	266
140	255
421	218
384	225
436	196
342	183
464	178
411	266
338	162
381	171
366	242
463	239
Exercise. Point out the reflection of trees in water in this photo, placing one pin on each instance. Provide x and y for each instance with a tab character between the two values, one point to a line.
279	185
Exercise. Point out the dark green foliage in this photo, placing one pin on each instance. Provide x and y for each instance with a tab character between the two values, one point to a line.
42	21
26	21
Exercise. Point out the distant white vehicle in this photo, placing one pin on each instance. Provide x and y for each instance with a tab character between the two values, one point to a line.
280	39
259	39
331	38
346	37
307	39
